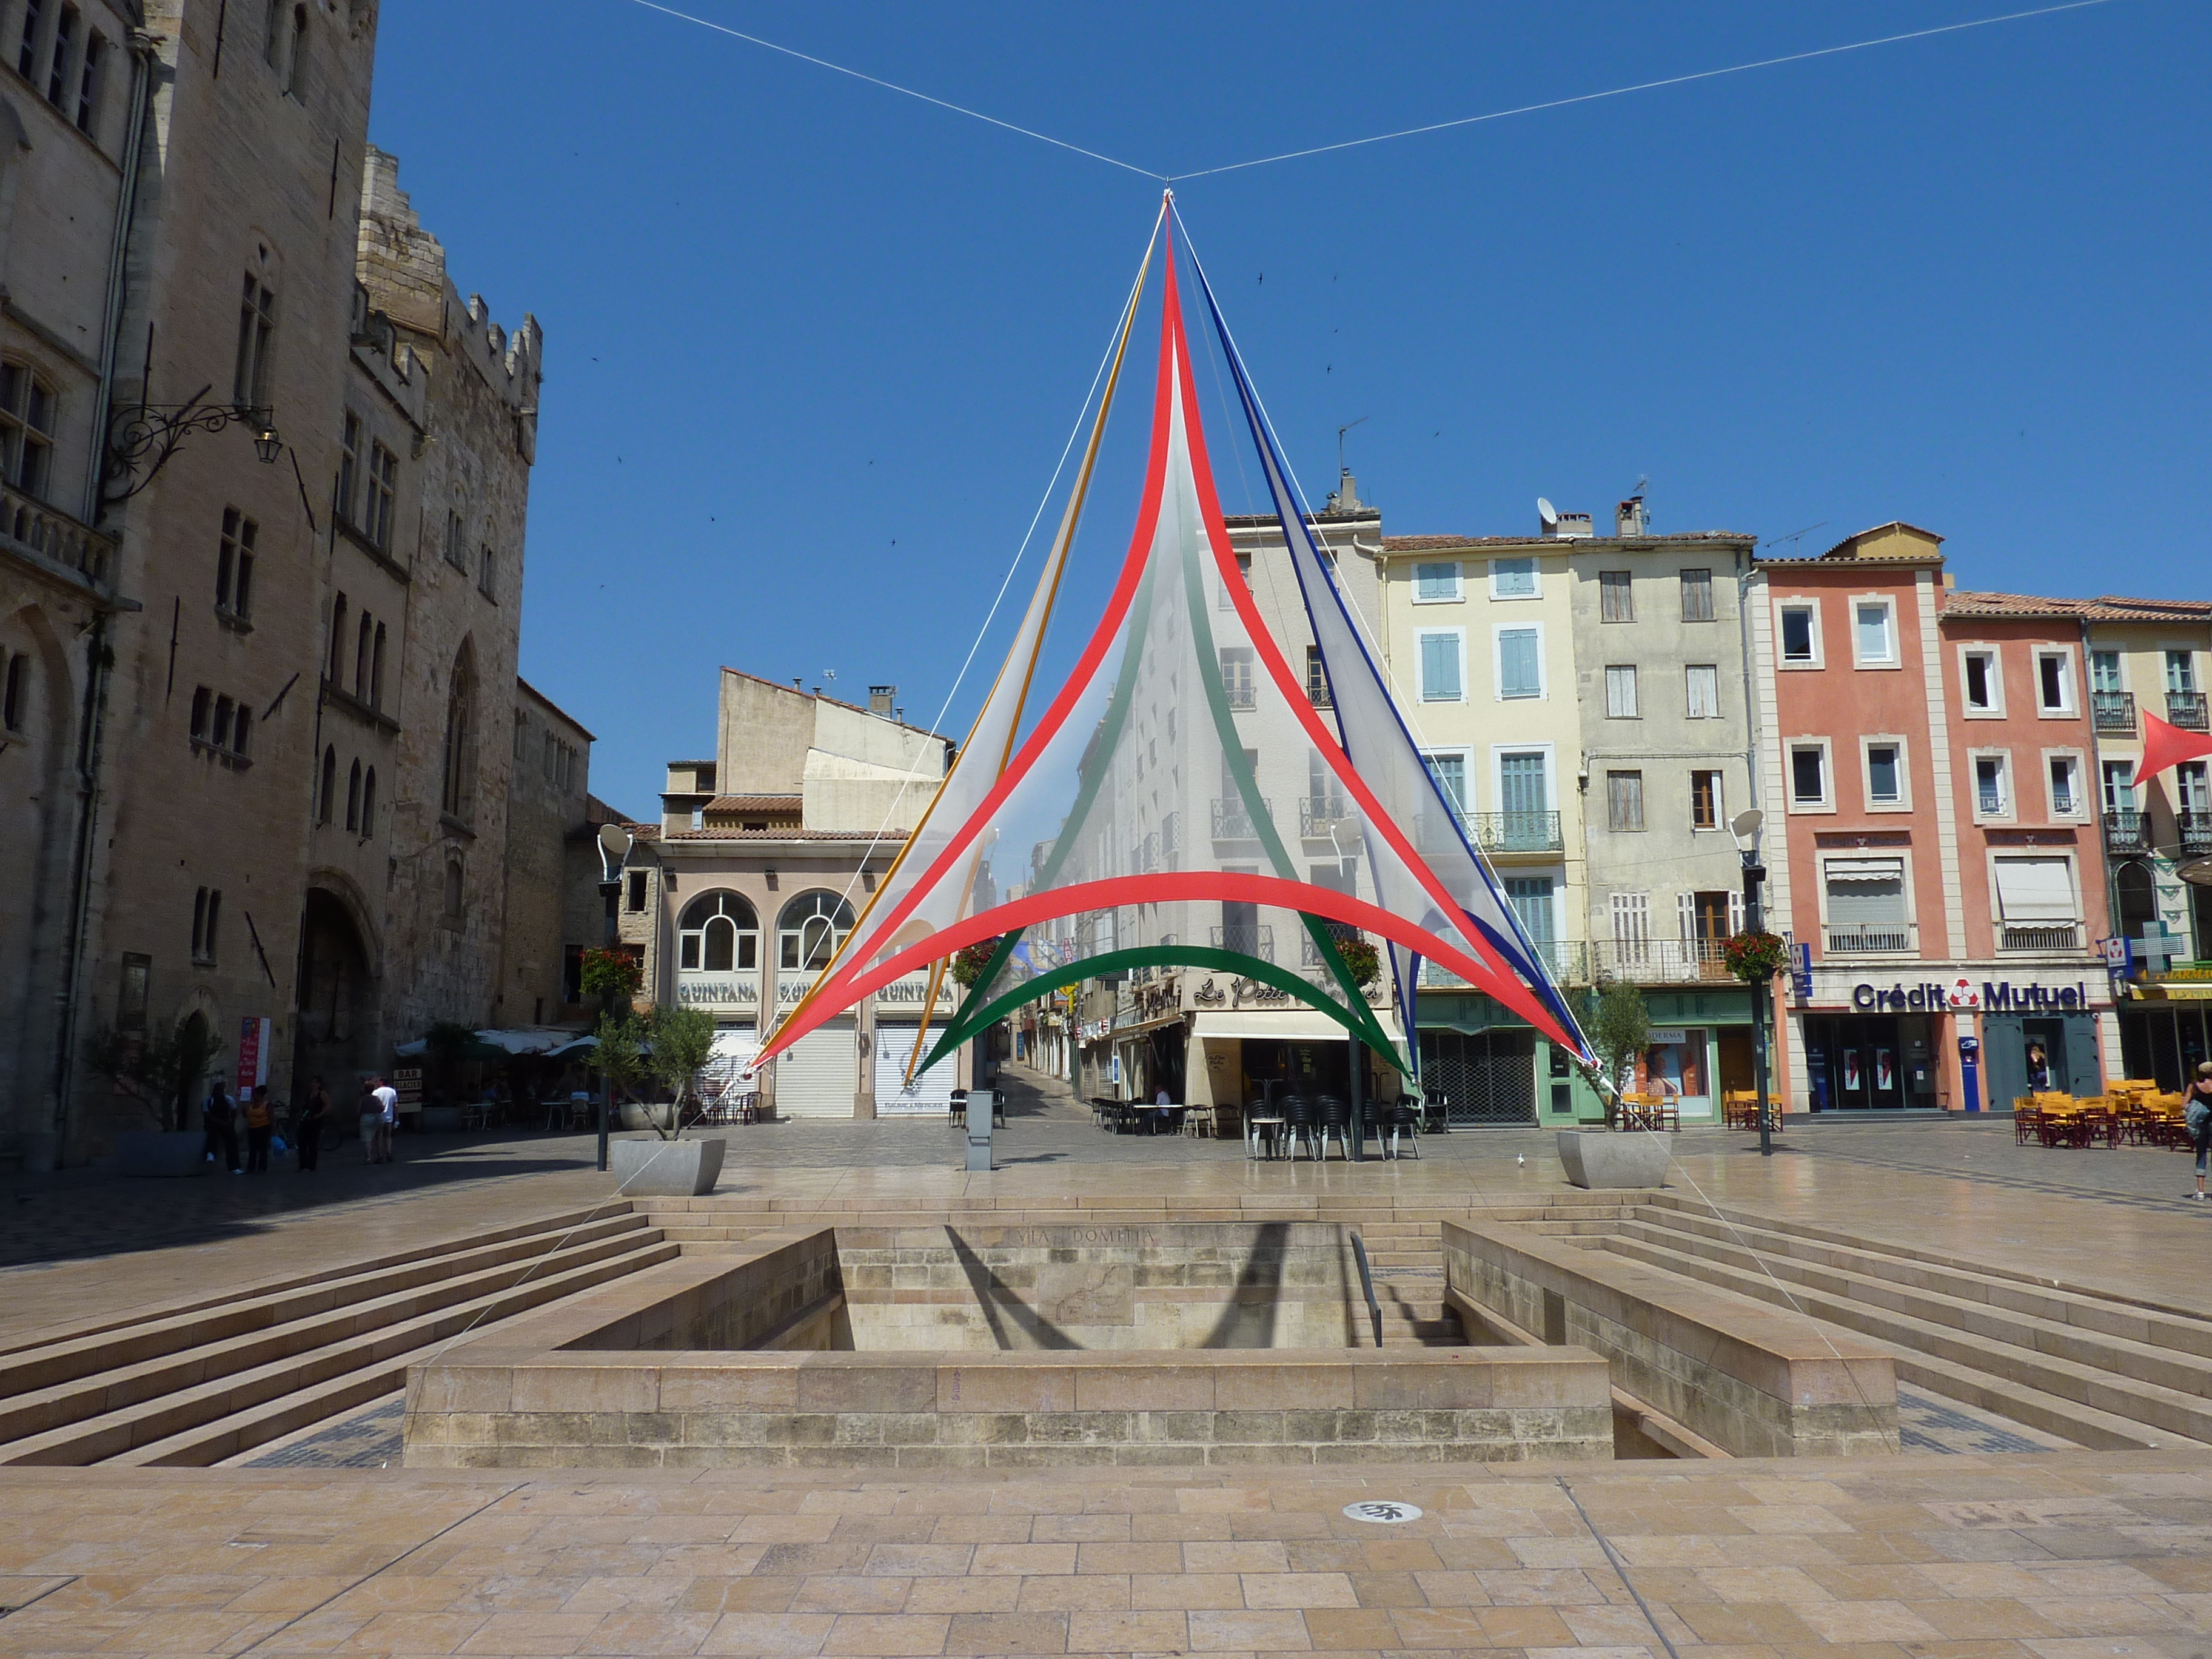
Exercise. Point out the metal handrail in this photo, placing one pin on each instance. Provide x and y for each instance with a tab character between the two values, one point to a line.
1367	1285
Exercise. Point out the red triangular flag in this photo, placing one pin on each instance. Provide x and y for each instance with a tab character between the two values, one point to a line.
2165	746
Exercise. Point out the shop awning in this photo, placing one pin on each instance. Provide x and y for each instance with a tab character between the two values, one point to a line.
500	1045
1288	1025
2199	992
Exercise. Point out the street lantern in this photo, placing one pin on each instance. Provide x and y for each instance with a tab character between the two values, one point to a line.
1745	827
268	446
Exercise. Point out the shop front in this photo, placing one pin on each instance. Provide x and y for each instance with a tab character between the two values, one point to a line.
2165	1026
1870	1046
1244	1056
1490	1066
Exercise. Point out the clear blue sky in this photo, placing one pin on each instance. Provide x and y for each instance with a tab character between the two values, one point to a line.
812	348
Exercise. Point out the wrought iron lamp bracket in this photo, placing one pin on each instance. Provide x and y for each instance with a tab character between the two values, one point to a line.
145	435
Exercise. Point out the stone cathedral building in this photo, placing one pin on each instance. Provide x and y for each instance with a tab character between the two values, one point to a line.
264	490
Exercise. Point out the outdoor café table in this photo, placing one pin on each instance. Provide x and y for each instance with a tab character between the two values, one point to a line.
1257	1129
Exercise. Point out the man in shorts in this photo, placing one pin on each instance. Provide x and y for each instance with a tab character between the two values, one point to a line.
387	1116
372	1113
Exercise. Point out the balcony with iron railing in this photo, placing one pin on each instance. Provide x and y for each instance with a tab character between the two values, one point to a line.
1568	961
2114	711
29	524
2039	936
2186	710
1319	695
2194	831
1516	832
1233	822
1658	961
2127	832
1247	939
1861	938
1320	814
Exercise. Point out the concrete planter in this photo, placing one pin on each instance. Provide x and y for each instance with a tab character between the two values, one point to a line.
666	1169
1605	1157
158	1152
441	1119
637	1116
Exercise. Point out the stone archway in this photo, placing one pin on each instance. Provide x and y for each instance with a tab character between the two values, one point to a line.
338	1030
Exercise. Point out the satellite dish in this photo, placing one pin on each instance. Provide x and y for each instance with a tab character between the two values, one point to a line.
614	847
1745	824
1547	513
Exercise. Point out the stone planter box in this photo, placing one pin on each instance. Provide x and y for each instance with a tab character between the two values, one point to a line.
1606	1158
158	1152
441	1119
666	1169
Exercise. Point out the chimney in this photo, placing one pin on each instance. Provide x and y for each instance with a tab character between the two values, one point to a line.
1628	518
1569	527
880	699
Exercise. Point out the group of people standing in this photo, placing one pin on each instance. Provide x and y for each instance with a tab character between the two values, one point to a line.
223	1114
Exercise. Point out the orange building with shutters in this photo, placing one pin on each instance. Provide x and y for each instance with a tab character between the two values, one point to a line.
1931	831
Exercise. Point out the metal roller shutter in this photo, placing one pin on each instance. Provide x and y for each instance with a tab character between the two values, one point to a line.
815	1076
931	1092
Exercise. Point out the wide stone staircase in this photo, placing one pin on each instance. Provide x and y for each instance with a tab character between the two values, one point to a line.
197	1380
2098	1370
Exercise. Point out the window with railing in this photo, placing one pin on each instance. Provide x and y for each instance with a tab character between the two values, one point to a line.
1233	819
1238	665
2036	905
1317	691
2114	711
1867	906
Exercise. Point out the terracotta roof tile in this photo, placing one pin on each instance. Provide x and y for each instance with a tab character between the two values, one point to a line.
755	804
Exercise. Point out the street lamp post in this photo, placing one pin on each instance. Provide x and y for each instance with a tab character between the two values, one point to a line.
1745	827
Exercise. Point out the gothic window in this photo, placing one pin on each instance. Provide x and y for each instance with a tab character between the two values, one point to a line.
363	645
257	330
368	804
202	706
335	673
349	466
353	798
376	670
383	487
207	916
58	67
91	71
327	795
458	793
233	564
16	692
453	889
26	428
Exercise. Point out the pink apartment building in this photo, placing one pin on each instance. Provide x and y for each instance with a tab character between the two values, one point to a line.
1931	833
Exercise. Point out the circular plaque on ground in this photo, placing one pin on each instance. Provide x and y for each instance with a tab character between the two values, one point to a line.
1381	1512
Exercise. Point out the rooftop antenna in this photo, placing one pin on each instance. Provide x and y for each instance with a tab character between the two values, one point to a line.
1793	536
1340	431
1643	482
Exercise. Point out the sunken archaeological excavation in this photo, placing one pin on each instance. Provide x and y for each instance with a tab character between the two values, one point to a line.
971	1342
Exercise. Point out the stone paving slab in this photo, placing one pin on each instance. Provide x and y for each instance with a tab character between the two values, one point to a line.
1975	1557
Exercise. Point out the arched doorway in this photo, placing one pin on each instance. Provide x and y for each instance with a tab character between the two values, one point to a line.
337	1026
195	1046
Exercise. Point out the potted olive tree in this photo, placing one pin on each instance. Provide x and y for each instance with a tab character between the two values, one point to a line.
673	1046
1620	1029
162	1071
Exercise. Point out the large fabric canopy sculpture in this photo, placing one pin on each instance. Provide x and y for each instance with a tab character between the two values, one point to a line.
1181	801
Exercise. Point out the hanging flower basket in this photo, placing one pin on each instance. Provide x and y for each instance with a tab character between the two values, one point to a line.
1361	961
1754	958
968	966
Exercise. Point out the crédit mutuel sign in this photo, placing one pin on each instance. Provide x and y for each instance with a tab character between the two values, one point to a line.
1991	997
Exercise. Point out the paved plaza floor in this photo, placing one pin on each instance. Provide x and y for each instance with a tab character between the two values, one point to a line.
1976	1554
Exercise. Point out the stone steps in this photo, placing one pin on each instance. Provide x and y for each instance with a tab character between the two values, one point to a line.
2057	1377
306	1351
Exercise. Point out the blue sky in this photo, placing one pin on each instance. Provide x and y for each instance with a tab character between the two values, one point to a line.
813	349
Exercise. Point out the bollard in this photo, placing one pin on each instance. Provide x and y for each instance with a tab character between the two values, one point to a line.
981	1104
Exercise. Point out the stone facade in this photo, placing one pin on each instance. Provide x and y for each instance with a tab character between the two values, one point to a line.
65	150
304	599
551	864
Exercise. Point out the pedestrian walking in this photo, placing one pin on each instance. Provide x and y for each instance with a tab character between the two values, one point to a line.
2198	1116
260	1125
219	1122
314	1116
387	1117
371	1114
